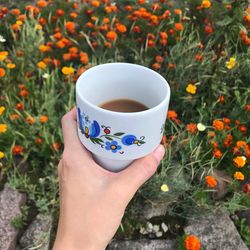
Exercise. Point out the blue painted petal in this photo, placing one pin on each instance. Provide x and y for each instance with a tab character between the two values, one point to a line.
107	147
118	147
108	144
128	140
114	150
114	143
80	120
94	129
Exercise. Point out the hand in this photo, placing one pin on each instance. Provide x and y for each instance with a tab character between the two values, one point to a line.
92	199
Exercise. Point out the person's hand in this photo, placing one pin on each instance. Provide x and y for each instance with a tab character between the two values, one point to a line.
92	199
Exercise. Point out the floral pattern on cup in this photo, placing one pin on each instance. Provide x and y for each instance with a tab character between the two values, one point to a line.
103	136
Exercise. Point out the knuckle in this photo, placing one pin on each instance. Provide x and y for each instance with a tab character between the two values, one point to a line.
150	166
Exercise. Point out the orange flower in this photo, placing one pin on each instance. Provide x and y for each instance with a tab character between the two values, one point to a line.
246	188
70	27
15	27
16	12
111	35
14	117
228	141
192	128
17	149
73	15
58	35
192	243
242	128
41	65
218	125
172	114
44	48
20	106
121	28
42	21
84	57
42	3
38	141
24	93
43	118
156	66
217	153
206	4
211	181
30	120
95	3
141	1
2	72
240	161
239	176
208	29
56	146
159	59
247	107
177	11
60	12
178	26
241	144
3	128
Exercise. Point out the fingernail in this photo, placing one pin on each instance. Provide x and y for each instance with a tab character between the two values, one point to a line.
159	153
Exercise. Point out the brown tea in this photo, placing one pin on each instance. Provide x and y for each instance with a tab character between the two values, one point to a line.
124	105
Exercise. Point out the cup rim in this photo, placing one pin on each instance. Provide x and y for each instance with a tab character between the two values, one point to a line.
144	112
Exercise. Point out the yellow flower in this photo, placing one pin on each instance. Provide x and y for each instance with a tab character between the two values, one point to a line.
18	22
206	4
191	88
3	128
68	70
239	176
164	188
38	27
231	63
2	108
11	65
41	65
1	154
3	55
240	161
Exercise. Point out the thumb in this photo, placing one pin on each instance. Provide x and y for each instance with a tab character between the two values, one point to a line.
140	171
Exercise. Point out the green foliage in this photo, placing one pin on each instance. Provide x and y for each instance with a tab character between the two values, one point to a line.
244	230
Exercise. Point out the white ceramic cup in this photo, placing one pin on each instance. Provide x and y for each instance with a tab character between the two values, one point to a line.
115	138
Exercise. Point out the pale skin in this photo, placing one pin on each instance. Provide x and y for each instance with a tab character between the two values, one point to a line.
93	200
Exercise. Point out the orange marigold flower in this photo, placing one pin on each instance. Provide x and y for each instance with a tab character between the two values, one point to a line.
17	149
240	161
3	55
24	93
10	65
70	27
67	70
31	120
208	29
218	125
58	35
239	176
177	11
2	72
246	188
44	48
43	118
247	107
228	141
3	128
38	141
226	120
73	15
159	59
192	243
242	128
60	12
15	27
217	153
19	106
16	12
42	3
172	114
84	57
241	144
156	66
211	181
141	1
206	4
121	28
178	26
66	56
14	117
111	35
41	65
192	128
95	3
56	146
42	21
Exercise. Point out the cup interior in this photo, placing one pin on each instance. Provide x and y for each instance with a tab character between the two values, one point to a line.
111	81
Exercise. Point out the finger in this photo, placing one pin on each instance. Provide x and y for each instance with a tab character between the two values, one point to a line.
70	135
140	171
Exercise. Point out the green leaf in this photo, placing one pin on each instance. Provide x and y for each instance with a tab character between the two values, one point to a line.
119	134
98	139
226	21
108	138
142	142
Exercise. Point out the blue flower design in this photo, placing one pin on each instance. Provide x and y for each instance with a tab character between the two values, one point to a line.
129	140
113	146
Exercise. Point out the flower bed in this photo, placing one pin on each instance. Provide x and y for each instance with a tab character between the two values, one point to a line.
200	47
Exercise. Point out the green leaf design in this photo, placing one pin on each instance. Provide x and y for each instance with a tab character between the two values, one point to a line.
98	139
108	138
142	142
93	140
119	134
